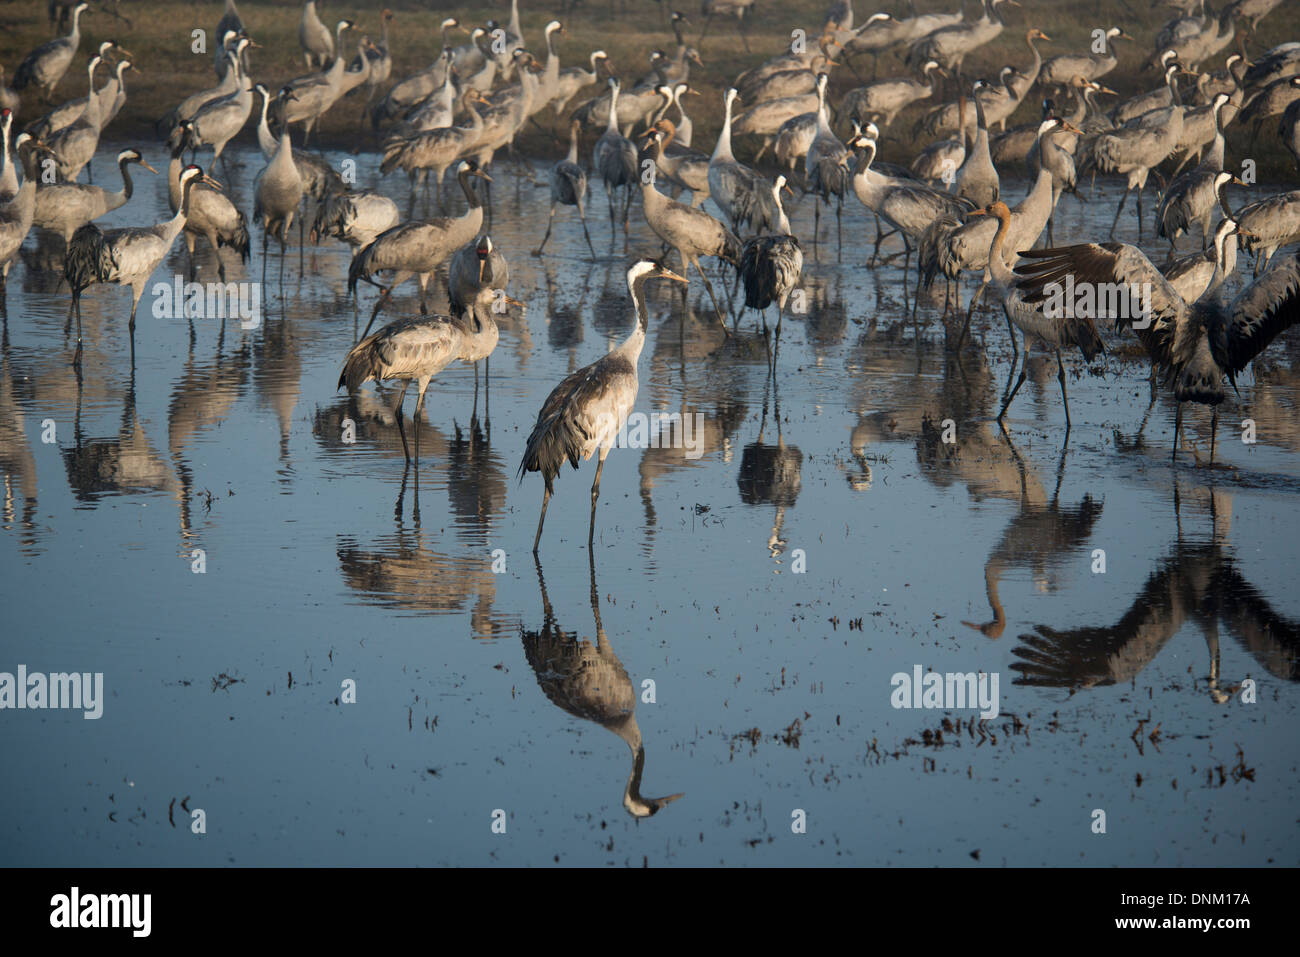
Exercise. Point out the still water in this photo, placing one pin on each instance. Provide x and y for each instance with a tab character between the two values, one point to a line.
728	643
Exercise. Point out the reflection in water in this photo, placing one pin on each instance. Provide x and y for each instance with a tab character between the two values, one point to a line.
402	571
1198	583
589	682
770	474
126	462
17	463
1040	538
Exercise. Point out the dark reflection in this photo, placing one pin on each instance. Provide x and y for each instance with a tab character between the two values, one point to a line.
126	462
590	683
202	398
771	474
1196	583
475	473
277	371
401	571
1039	539
17	463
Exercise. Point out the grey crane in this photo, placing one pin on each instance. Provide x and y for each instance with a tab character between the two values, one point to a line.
614	158
1197	343
1254	11
8	172
767	119
44	67
950	45
315	38
74	146
17	214
65	207
1289	130
583	415
574	78
356	216
744	196
1062	69
138	252
690	231
379	58
976	179
217	122
1269	224
410	91
278	190
435	150
435	111
476	266
415	349
228	85
69	111
319	178
908	206
1191	197
725	8
1133	151
826	168
950	246
771	266
9	98
1282	60
883	100
1059	329
230	24
315	93
687	168
212	216
1191	275
417	248
568	188
1156	99
1271	101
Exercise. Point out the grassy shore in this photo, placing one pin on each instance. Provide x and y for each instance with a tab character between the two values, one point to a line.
161	39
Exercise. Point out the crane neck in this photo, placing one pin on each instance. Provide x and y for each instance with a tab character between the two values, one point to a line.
471	196
612	126
722	151
128	187
997	265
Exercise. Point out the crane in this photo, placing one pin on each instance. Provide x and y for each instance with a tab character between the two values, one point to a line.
583	415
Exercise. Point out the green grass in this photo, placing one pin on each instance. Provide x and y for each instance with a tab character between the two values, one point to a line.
161	40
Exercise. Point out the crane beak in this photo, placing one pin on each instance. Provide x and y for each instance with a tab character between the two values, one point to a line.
1236	181
148	167
124	52
480	173
1069	127
669	274
209	181
512	302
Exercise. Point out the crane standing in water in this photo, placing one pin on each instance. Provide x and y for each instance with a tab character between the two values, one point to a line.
584	414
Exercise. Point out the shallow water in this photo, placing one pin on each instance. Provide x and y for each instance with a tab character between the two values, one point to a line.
826	539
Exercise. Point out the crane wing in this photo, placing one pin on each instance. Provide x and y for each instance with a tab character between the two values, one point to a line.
1107	263
1267	307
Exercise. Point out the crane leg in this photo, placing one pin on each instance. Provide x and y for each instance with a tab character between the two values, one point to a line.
817	223
415	419
549	223
1118	210
1214	428
586	235
595	494
708	286
264	241
397	413
1065	400
541	520
1178	428
1024	371
839	235
76	357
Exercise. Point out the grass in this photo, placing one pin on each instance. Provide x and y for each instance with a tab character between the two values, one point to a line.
161	40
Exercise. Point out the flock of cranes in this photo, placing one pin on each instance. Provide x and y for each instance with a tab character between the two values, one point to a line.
949	207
